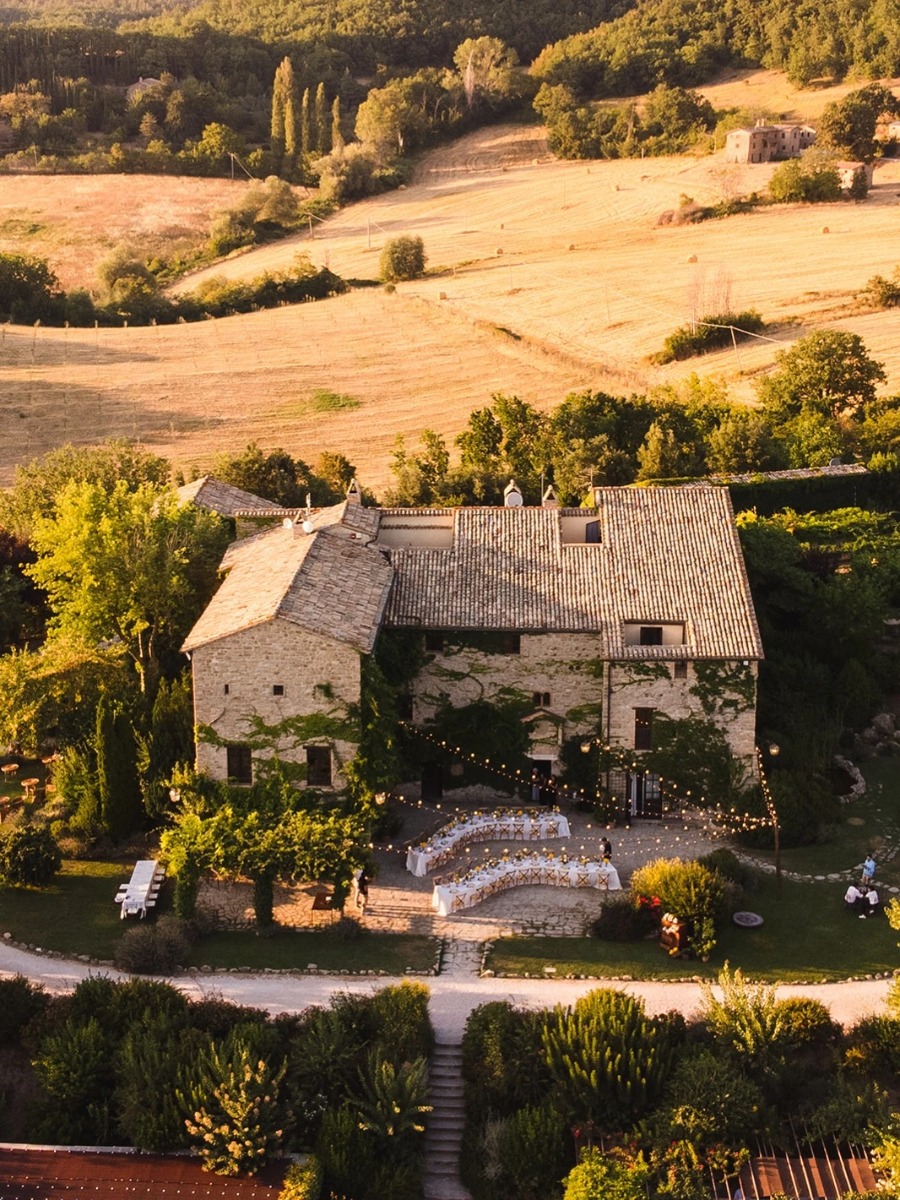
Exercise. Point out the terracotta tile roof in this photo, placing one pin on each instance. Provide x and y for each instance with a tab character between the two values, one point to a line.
222	498
666	555
328	581
59	1173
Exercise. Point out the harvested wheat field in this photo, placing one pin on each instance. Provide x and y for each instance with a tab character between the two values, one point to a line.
75	220
545	277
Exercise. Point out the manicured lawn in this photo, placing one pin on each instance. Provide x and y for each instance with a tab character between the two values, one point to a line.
807	935
75	915
287	950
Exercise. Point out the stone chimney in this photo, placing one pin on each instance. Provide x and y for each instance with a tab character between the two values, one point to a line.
512	496
550	498
353	493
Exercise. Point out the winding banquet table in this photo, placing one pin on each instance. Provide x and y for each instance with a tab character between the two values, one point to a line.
453	894
485	827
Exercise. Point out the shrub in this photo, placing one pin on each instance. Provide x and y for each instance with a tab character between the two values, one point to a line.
608	1060
691	892
806	1024
29	856
621	921
874	1048
502	1065
20	1001
604	1177
714	331
303	1181
535	1152
402	258
730	867
154	949
402	1024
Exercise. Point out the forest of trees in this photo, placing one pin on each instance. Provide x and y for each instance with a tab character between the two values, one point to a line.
280	84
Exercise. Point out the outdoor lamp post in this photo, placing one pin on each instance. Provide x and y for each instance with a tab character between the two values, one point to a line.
774	750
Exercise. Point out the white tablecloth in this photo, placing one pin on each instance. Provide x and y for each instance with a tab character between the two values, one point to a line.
508	827
137	892
450	896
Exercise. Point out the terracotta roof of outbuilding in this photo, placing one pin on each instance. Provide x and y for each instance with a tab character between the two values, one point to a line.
60	1173
665	555
328	581
222	498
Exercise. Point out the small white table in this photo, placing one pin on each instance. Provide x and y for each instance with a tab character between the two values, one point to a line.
139	893
482	882
485	827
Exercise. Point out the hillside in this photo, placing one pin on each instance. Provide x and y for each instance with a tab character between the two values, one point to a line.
548	277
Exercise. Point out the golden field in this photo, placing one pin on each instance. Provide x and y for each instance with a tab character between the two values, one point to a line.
544	277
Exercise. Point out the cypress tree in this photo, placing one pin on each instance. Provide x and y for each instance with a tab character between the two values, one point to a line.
117	776
323	141
337	136
305	130
277	130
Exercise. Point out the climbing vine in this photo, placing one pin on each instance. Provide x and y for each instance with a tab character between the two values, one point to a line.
627	673
722	687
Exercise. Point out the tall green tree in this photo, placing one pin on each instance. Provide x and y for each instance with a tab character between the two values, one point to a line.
117	777
323	133
829	372
306	133
848	126
133	568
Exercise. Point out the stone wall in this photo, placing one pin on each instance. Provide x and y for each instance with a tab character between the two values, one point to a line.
234	680
564	665
652	685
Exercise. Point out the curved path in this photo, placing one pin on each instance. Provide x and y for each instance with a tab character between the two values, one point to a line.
453	995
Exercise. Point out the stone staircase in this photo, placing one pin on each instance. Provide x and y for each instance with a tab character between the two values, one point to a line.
445	1124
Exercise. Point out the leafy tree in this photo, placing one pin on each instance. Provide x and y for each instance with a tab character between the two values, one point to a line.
488	70
217	143
419	477
848	126
48	696
828	372
393	120
127	567
674	119
693	754
402	258
276	476
38	484
29	856
812	178
117	779
29	290
743	441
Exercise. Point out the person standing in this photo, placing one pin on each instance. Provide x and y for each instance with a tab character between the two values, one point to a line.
868	871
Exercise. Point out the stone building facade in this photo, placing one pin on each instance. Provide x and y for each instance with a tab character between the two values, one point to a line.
596	619
763	143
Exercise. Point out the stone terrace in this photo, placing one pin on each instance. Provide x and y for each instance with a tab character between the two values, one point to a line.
401	903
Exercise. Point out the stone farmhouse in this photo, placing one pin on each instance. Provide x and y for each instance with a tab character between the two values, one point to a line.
762	143
598	618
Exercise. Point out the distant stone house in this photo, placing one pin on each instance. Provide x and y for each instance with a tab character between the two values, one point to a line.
597	618
850	171
763	143
134	91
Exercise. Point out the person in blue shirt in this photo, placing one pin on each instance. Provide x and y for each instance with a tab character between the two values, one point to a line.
868	871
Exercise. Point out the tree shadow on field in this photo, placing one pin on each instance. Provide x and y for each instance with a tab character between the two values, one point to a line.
23	346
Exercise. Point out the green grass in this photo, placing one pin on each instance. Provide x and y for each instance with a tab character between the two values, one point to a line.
78	915
807	935
870	823
287	949
75	915
324	401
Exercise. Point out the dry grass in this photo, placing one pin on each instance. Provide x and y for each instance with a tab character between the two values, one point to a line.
546	277
75	220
